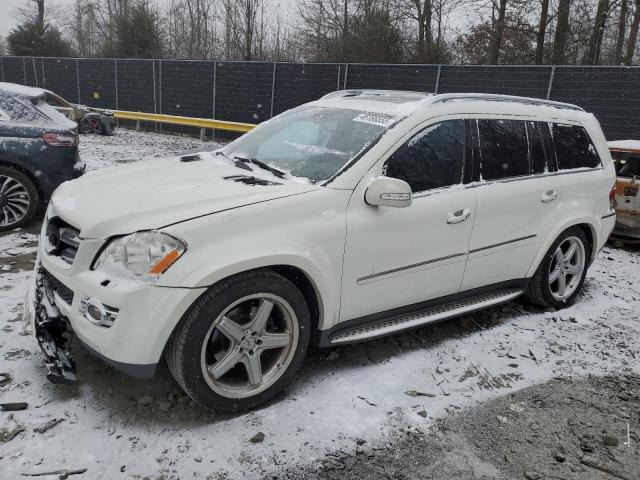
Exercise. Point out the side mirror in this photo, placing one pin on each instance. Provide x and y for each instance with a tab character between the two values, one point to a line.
388	192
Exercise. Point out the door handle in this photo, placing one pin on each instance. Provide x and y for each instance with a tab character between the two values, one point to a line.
549	196
458	216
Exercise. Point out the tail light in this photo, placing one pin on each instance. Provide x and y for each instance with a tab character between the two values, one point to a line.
60	139
612	198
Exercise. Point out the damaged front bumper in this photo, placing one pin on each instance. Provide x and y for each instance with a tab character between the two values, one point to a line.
52	330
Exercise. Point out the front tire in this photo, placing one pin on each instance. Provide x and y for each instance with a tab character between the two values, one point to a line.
561	274
242	341
19	199
90	126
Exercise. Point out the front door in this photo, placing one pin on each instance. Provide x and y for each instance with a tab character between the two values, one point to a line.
396	257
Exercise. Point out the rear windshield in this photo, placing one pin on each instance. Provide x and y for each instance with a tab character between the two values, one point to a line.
311	142
20	109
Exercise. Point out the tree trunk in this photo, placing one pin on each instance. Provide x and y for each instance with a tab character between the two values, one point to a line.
562	32
592	55
622	27
496	43
633	36
40	14
542	30
345	27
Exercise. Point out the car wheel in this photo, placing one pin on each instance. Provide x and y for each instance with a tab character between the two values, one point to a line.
242	341
90	125
18	199
561	274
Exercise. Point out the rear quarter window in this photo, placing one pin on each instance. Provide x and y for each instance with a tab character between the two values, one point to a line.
574	149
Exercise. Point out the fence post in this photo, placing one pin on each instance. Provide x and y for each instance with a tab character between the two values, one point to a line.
338	81
44	83
24	71
553	73
35	72
438	79
346	74
273	88
78	79
2	68
213	101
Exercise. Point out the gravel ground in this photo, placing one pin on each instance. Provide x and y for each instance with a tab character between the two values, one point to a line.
433	402
563	429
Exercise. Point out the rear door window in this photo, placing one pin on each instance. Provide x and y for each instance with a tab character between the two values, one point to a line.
433	158
574	148
504	151
540	148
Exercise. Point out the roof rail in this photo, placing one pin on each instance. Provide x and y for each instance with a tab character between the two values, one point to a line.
446	97
365	92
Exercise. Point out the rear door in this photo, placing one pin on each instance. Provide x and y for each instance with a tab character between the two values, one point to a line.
517	198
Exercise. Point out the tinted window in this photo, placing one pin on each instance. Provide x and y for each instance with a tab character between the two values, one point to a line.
431	159
574	148
504	149
539	147
630	168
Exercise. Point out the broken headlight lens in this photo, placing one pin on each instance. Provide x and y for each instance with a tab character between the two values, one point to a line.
145	255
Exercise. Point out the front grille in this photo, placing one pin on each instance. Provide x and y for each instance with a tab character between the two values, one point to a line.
55	285
62	240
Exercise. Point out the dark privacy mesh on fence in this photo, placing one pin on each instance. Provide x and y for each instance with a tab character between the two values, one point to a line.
254	91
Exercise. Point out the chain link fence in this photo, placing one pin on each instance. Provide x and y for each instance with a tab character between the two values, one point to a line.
255	91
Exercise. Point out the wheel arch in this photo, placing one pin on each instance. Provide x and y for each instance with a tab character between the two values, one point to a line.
22	168
585	224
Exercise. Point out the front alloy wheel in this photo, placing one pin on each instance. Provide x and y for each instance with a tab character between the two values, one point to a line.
242	341
249	345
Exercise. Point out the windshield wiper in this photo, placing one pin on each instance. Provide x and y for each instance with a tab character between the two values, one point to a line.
236	162
261	164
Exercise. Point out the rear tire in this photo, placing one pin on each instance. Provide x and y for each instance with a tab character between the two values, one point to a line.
561	274
19	199
242	341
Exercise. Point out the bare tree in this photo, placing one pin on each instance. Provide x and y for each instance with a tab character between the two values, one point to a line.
622	27
562	32
542	31
633	35
498	31
592	54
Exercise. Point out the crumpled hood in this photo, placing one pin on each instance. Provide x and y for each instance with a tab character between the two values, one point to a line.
156	193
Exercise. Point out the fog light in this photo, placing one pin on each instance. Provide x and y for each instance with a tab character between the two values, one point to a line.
97	312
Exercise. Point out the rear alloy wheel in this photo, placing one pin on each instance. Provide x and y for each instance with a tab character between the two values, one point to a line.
90	126
561	274
18	199
242	342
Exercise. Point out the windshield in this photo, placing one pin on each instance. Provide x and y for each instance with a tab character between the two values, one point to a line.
310	142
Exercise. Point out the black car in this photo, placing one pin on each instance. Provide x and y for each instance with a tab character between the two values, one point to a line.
38	151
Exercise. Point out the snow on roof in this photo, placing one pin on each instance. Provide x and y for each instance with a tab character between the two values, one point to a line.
625	145
21	89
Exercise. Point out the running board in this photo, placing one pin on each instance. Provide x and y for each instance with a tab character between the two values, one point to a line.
398	323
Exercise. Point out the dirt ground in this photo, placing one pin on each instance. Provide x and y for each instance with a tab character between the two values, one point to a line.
561	430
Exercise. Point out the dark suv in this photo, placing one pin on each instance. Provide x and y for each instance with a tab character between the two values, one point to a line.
38	151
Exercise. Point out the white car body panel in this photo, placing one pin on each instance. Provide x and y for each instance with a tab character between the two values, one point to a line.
359	259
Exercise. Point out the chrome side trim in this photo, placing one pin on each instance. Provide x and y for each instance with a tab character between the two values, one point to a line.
368	278
609	215
520	239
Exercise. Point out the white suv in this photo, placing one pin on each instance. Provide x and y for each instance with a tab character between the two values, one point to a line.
359	215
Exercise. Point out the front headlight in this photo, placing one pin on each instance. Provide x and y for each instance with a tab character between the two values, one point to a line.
142	254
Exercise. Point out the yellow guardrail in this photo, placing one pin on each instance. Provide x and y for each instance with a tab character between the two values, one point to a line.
187	121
